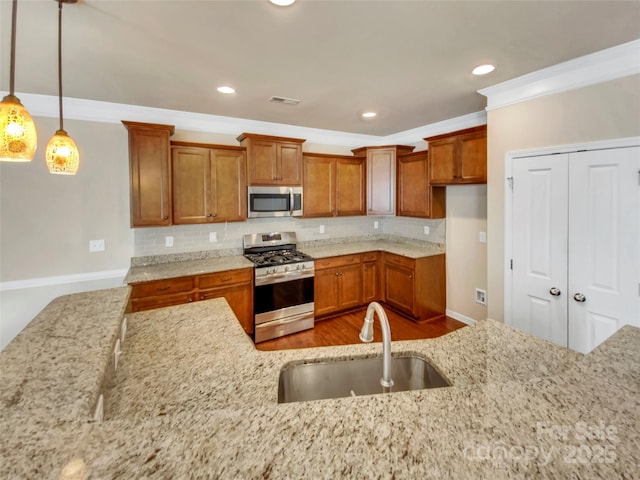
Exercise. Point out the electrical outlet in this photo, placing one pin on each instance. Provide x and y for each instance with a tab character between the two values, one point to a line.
168	241
426	230
483	237
213	236
481	296
96	245
321	229
375	224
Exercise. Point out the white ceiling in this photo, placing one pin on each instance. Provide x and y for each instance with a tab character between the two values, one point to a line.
410	61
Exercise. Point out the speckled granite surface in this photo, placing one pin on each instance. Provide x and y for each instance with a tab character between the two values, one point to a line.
194	399
176	269
161	267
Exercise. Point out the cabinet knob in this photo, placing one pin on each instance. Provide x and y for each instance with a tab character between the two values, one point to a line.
166	217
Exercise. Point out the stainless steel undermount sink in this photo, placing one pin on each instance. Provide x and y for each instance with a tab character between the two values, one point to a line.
354	377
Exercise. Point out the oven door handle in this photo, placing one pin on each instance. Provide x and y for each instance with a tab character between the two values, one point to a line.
284	277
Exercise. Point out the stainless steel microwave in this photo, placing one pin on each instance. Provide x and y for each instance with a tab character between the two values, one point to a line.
274	202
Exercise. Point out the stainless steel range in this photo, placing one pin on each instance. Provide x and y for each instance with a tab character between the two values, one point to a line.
283	292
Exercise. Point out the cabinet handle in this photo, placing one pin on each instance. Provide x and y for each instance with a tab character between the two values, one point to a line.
163	289
226	279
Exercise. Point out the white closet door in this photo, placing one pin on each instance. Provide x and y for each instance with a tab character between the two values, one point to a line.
539	226
604	244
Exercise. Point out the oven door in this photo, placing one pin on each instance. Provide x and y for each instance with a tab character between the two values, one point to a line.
275	301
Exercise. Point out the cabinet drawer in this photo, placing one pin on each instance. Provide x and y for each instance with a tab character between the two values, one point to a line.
333	262
370	257
230	277
399	260
148	303
162	287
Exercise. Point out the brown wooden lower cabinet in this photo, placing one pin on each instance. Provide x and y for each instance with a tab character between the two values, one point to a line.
415	287
236	286
337	284
412	287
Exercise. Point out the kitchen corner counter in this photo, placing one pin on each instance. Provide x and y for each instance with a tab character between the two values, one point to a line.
406	249
193	398
161	271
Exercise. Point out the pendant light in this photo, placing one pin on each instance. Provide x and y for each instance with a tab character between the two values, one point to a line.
18	138
62	155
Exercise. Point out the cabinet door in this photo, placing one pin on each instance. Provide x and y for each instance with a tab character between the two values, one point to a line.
262	163
381	179
192	197
149	174
326	291
413	189
442	159
318	186
370	281
350	286
472	166
350	187
289	169
229	186
399	288
240	299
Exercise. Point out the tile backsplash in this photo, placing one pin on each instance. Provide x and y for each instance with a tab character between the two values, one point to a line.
194	238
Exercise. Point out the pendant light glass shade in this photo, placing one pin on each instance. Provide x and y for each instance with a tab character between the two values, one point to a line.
62	155
18	138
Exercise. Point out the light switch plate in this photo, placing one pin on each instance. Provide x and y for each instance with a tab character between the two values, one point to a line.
168	241
96	245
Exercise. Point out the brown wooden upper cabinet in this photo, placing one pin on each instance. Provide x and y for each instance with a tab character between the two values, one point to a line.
209	183
381	177
415	195
273	160
334	185
149	173
458	157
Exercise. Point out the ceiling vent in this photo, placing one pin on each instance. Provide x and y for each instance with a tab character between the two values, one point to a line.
288	101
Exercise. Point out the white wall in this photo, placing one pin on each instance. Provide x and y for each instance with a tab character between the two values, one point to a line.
466	255
602	111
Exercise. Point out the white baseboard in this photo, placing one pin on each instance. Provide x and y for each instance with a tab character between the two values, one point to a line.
460	317
62	279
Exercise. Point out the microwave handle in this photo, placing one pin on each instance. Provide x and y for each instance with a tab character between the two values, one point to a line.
291	202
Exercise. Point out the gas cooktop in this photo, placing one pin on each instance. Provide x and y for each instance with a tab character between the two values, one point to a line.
277	257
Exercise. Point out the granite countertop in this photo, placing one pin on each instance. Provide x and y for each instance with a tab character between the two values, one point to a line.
183	266
146	273
193	398
406	249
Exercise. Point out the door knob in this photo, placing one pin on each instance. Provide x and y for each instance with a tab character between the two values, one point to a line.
555	291
579	297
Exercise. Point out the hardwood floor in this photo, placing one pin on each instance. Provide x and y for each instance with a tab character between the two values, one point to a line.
344	330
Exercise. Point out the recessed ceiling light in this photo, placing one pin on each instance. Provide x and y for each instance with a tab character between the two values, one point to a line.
369	114
483	69
226	90
282	3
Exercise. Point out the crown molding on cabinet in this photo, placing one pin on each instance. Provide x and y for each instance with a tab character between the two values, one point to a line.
609	64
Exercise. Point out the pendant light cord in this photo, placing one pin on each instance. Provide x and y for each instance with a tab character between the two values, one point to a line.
12	71
59	60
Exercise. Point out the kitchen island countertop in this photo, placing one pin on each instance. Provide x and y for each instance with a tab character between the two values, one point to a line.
193	398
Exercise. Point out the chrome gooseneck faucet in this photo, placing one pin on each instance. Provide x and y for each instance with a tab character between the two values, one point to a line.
366	335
